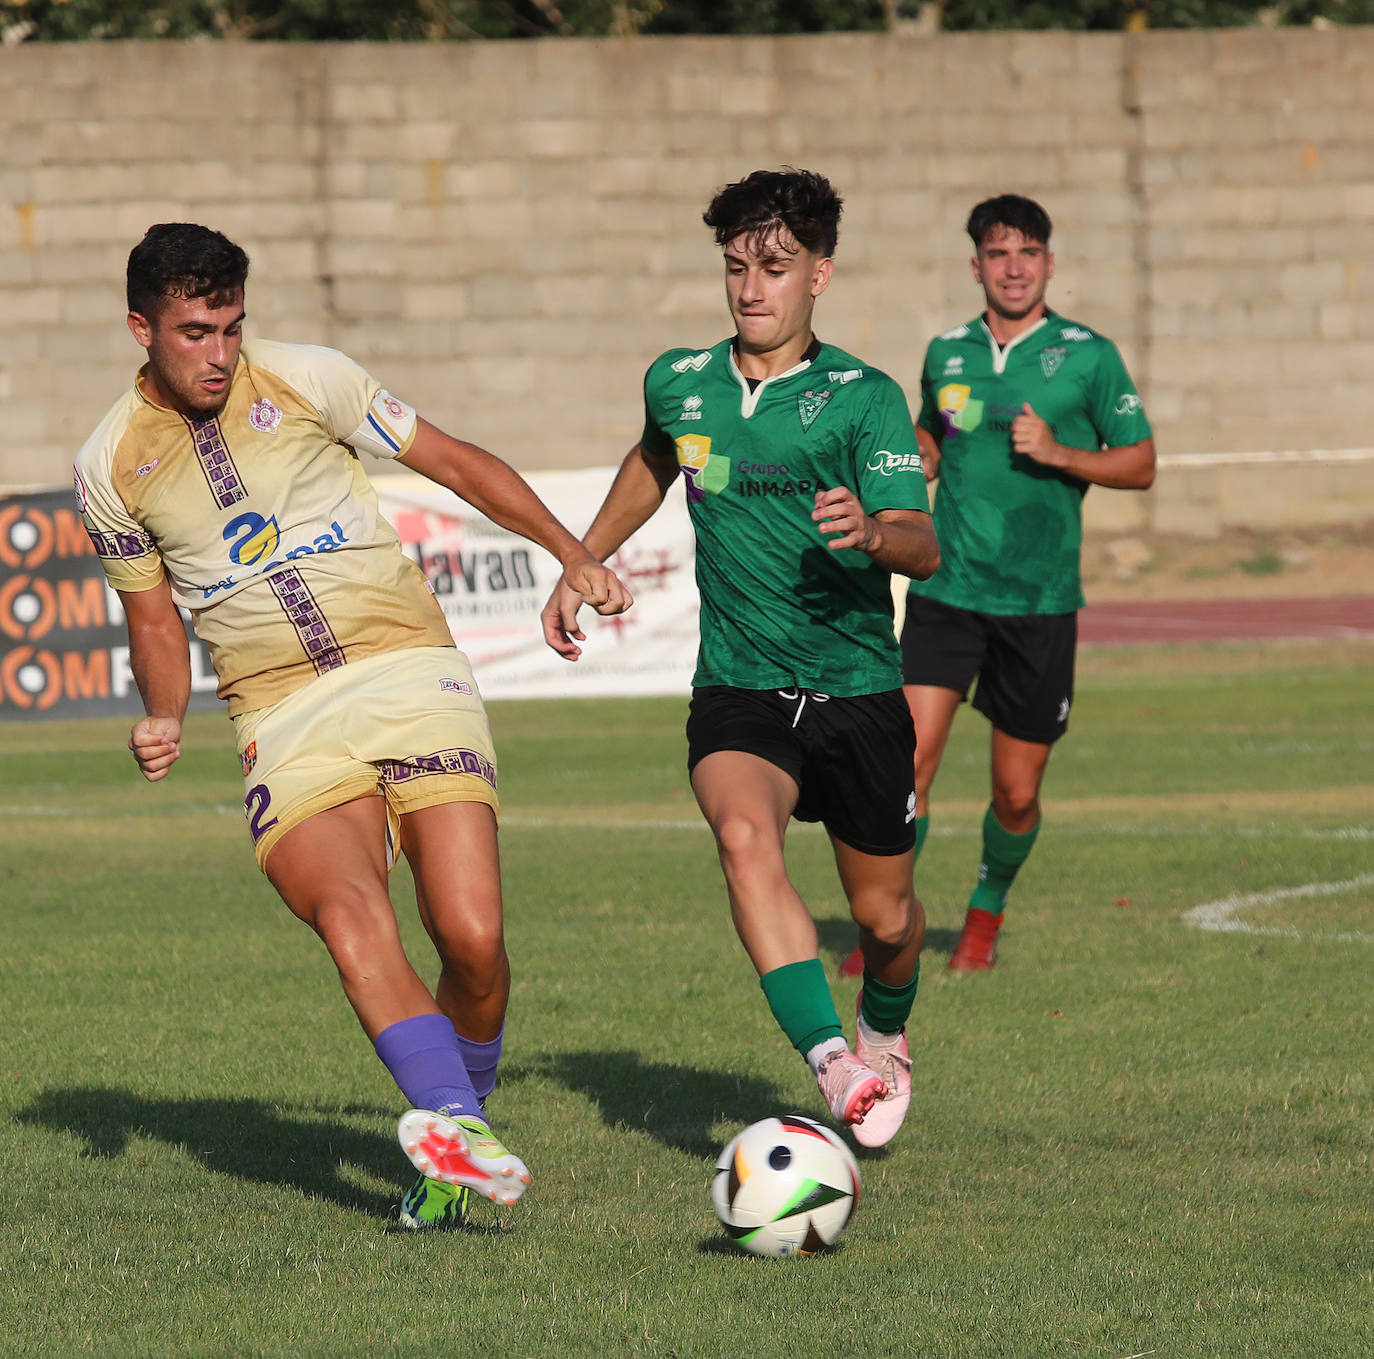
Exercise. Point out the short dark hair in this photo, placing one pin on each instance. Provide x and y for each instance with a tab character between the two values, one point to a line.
1012	212
181	259
804	202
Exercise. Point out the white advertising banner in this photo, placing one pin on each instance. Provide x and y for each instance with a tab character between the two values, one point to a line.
492	585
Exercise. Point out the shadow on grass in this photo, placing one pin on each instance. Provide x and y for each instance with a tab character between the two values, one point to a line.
675	1105
303	1150
838	938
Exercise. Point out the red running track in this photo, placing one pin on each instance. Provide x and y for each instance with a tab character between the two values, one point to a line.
1209	620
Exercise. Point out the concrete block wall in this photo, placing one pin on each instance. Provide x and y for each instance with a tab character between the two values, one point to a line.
506	233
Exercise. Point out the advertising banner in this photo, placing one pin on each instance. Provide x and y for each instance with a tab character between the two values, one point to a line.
63	648
493	584
64	651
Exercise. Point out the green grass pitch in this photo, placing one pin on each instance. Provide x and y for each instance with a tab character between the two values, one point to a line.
1135	1136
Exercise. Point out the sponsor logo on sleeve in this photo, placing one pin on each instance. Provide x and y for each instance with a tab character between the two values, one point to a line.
889	464
1128	403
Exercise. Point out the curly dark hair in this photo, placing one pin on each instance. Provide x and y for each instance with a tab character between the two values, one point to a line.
181	259
800	200
1012	212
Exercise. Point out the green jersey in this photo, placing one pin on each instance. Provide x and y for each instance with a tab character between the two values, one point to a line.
779	608
1010	529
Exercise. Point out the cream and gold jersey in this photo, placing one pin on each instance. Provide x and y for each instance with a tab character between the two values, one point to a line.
263	519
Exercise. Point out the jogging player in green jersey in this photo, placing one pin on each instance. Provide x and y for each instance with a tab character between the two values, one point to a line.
1021	410
805	490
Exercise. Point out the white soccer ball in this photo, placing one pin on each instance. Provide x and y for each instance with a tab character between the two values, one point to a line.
785	1186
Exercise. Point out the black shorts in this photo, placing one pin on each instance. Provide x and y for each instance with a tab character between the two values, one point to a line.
1023	664
852	759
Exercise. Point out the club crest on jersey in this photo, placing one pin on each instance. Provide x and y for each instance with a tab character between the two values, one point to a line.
696	362
810	405
264	416
1050	359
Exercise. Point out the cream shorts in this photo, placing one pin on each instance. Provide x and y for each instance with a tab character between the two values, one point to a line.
408	726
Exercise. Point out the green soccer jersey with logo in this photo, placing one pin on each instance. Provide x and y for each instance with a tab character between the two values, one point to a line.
779	608
1010	529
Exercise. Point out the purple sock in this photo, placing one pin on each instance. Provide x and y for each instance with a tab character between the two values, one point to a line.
424	1059
481	1060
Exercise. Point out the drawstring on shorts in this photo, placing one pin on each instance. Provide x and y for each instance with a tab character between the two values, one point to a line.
799	696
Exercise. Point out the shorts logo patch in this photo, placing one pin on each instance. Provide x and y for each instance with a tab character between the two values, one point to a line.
1063	710
911	807
249	757
453	686
264	416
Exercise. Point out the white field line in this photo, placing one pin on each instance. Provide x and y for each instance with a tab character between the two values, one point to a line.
1220	915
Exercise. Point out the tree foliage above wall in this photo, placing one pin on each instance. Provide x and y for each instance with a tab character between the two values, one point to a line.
421	20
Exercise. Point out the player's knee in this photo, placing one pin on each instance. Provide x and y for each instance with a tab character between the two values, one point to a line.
893	918
743	842
355	928
1017	807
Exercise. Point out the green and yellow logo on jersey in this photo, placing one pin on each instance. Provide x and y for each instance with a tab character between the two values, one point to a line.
961	411
705	472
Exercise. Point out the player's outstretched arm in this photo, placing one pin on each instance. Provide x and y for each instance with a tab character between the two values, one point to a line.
160	658
903	541
506	498
637	491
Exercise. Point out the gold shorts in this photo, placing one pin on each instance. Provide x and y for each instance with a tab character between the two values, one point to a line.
408	726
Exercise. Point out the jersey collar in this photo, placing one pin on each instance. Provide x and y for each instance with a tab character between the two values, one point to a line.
752	389
1001	353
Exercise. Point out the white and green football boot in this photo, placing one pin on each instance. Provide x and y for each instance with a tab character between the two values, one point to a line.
462	1151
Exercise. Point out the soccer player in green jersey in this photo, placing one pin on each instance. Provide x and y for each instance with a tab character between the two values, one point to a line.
805	490
1021	411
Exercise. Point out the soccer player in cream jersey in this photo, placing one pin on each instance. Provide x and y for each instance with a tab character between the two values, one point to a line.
804	486
1021	411
227	480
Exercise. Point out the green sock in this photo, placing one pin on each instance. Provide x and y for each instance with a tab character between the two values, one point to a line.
885	1008
1003	855
922	830
799	997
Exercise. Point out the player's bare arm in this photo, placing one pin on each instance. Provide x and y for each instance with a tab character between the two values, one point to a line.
1128	467
903	541
160	658
506	498
637	491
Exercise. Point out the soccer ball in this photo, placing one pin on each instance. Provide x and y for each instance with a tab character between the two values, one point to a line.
785	1186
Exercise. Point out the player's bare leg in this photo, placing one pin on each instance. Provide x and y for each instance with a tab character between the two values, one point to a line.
331	872
455	860
747	802
932	713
